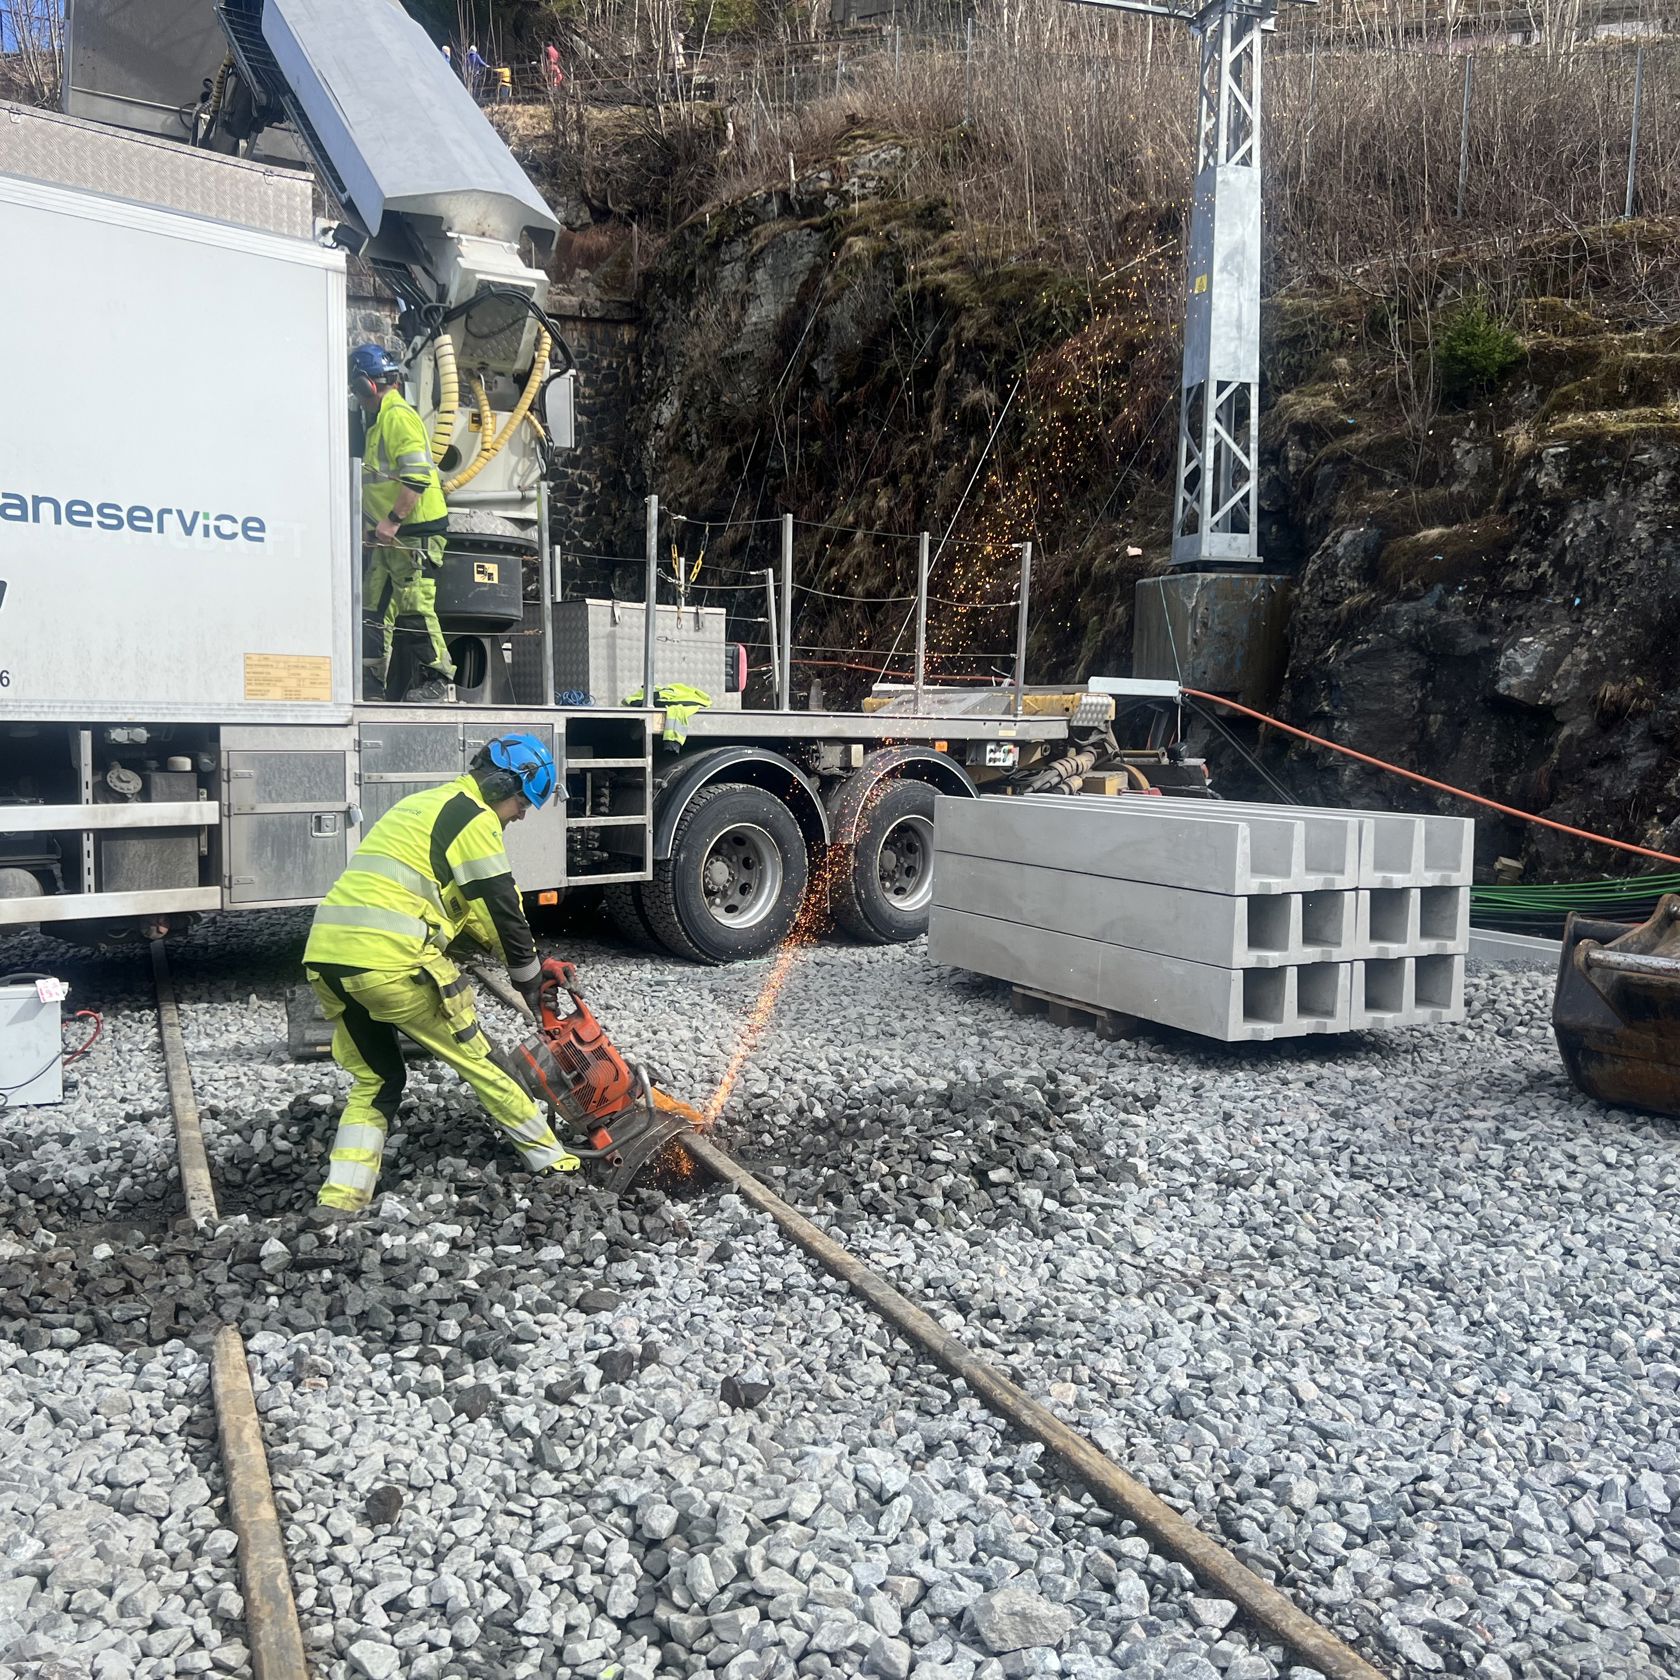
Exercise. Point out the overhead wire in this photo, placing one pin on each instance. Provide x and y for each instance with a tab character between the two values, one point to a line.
1431	782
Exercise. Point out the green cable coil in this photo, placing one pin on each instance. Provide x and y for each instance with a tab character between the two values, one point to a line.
1542	909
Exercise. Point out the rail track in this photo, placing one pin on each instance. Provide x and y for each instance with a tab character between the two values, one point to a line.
1216	1567
274	1637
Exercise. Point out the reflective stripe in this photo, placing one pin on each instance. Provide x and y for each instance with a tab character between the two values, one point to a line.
525	971
361	1139
379	921
533	1130
369	1158
413	461
394	869
352	1180
541	1157
481	869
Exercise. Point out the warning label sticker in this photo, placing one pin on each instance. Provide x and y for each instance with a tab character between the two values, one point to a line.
288	676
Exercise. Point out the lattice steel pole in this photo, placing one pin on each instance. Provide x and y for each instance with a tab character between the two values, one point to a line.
1217	506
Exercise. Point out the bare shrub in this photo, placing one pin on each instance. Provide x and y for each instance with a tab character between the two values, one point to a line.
31	51
1062	124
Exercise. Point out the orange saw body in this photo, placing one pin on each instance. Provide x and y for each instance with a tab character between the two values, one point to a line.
609	1112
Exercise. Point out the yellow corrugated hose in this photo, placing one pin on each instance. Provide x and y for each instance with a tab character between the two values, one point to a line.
449	396
490	447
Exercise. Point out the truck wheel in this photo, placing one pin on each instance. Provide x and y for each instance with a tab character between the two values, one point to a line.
623	901
735	879
883	897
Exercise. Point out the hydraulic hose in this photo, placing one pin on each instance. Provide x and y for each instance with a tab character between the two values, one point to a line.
491	447
486	415
449	395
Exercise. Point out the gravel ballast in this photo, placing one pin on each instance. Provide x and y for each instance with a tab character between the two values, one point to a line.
1390	1315
114	1560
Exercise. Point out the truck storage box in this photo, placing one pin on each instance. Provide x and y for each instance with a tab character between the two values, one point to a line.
598	650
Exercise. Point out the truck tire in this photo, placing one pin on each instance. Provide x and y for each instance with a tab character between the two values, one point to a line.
623	901
736	878
882	893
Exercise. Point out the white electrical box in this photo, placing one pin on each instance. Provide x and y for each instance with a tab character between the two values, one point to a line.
31	1047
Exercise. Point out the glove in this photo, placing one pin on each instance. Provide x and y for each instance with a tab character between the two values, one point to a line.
531	991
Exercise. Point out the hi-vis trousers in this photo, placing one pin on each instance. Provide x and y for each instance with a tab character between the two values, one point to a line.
404	577
433	1006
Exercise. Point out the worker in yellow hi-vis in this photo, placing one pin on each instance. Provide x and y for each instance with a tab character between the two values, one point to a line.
406	517
432	868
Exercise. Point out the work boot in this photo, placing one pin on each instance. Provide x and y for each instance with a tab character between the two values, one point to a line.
434	689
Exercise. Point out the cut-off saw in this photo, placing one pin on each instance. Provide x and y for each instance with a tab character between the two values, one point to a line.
606	1111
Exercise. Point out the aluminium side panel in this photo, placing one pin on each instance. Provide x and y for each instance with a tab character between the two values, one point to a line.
175	521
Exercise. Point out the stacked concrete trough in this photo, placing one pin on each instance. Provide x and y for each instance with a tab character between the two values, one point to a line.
1236	921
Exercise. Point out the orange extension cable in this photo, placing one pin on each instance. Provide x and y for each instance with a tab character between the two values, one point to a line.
1430	782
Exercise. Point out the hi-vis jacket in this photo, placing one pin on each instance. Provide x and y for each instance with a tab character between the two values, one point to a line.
398	452
432	867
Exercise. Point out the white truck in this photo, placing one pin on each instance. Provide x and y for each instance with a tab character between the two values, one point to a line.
182	728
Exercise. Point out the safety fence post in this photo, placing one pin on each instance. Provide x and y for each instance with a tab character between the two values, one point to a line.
1464	134
921	619
968	67
650	614
1633	135
785	701
1021	628
775	644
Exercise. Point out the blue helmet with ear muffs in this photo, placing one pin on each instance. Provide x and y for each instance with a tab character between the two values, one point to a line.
527	760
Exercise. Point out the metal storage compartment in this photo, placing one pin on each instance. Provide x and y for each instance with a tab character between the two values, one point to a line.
31	1047
288	820
598	650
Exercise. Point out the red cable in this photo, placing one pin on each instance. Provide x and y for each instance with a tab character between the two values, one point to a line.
93	1037
1430	782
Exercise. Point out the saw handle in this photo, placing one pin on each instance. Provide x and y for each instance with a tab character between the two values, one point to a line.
559	976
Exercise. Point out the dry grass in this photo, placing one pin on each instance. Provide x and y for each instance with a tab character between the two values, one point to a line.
1063	125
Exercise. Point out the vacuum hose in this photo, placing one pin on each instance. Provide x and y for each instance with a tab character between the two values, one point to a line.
449	395
492	444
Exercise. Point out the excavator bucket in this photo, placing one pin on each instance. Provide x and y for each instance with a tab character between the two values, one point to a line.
1616	1010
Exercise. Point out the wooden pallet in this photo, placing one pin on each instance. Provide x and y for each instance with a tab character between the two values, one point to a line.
1064	1012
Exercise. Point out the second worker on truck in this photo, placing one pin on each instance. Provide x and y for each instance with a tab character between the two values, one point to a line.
405	516
432	868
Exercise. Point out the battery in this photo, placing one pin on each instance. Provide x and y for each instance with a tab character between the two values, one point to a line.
31	1047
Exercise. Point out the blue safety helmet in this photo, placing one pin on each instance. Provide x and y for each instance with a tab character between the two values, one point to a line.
374	363
526	758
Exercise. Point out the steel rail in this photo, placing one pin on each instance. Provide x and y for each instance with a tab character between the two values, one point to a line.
196	1188
272	1633
1213	1565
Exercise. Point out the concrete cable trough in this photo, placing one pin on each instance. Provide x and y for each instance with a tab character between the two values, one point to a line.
1238	922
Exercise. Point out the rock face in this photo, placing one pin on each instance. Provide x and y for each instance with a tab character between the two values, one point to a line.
1481	599
1478	581
842	349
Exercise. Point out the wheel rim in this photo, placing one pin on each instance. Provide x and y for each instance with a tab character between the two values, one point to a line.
741	877
905	863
